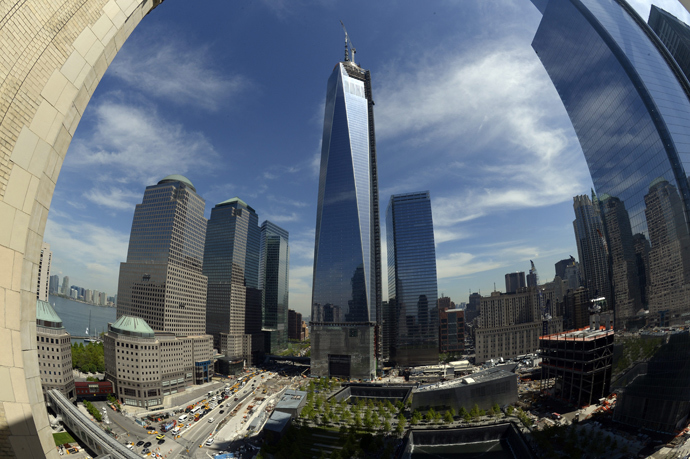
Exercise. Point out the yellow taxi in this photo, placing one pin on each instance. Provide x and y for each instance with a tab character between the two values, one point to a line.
152	432
160	437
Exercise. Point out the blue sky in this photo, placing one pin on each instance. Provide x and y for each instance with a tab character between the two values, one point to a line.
231	95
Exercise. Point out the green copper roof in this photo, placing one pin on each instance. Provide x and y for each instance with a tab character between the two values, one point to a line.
46	315
235	200
133	326
657	181
178	178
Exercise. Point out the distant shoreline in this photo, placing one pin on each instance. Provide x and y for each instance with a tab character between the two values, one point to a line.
65	297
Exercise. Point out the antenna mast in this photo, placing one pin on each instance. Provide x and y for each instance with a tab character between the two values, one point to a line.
348	42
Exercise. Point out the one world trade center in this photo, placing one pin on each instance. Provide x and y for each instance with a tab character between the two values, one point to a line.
346	293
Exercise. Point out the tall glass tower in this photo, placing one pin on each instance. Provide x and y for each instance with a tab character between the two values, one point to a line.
274	270
231	262
592	249
412	287
162	280
629	103
346	295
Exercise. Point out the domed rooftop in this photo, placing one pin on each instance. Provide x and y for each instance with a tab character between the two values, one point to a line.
132	326
46	315
178	178
657	181
237	201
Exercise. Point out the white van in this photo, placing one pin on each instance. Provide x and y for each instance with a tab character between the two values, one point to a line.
209	442
182	418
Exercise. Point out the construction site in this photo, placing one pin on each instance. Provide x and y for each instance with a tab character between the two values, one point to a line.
576	365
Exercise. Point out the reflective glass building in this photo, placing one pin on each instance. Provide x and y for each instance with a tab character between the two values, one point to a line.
592	249
347	284
412	289
231	262
274	270
674	33
162	281
628	102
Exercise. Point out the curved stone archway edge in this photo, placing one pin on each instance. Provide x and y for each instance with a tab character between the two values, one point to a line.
54	54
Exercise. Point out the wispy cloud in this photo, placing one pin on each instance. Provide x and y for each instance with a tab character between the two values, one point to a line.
87	252
133	146
484	111
282	218
114	198
300	288
177	72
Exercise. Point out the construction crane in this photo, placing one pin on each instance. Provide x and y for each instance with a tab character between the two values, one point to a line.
348	42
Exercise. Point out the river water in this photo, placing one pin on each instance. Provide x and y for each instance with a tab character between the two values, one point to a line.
75	316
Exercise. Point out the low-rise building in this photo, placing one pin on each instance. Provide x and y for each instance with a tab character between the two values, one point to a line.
292	402
485	389
54	351
511	324
451	336
144	366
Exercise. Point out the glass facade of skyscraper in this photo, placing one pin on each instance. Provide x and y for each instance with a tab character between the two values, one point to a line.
412	285
346	286
274	268
591	246
628	102
162	281
231	262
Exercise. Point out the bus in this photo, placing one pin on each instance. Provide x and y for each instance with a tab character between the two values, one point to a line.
195	410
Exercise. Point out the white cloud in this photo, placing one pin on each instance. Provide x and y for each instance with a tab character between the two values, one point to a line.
487	115
115	198
132	146
463	264
284	218
89	253
177	72
300	288
444	235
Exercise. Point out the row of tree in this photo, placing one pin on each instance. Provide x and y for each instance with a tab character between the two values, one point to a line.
89	358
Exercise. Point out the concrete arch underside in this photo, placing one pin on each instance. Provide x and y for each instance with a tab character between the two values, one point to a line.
53	53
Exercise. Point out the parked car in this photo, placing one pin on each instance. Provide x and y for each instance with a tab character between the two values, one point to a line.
140	442
147	444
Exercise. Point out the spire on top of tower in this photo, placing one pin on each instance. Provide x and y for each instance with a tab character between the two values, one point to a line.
348	42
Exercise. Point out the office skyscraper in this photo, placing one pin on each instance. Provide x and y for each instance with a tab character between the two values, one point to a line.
591	246
231	262
625	291
412	284
674	33
515	281
161	313
161	281
346	293
54	284
629	104
44	272
274	270
65	285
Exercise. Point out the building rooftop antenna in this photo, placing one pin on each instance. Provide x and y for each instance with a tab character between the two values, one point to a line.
348	42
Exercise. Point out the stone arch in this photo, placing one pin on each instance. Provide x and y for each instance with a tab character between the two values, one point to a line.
54	53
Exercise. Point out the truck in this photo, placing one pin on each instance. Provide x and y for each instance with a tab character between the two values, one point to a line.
169	425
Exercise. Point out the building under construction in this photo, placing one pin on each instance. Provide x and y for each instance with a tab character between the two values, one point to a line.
576	365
